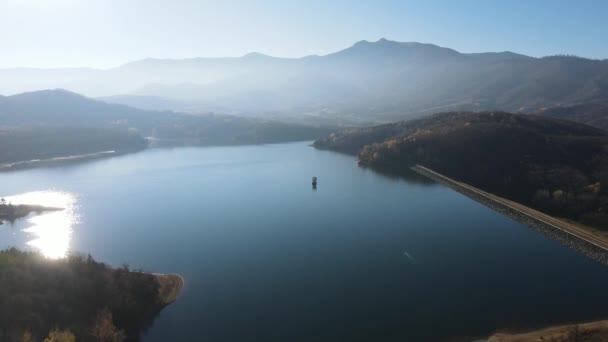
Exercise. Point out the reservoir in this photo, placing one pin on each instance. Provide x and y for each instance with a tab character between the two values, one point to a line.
266	257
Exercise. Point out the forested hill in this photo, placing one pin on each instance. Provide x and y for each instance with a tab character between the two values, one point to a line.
592	114
63	108
48	142
556	166
60	108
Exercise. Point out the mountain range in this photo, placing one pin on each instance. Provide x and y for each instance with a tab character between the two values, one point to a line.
369	82
58	123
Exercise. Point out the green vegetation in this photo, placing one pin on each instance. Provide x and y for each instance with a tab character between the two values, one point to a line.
73	298
555	166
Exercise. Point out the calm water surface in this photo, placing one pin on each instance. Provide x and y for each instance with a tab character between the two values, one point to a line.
267	258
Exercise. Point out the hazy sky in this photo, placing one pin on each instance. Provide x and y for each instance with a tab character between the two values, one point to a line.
107	33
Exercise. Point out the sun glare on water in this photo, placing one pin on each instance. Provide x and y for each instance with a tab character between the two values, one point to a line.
51	231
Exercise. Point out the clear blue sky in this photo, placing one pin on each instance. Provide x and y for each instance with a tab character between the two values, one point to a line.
106	33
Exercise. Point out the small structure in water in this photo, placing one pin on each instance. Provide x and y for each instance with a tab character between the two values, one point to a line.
314	182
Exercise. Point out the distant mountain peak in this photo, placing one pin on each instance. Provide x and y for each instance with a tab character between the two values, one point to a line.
49	92
379	41
257	56
361	42
395	49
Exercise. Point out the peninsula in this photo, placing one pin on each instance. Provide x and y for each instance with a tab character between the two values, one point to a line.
9	212
78	297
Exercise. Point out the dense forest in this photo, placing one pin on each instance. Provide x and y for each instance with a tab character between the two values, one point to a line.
75	298
556	166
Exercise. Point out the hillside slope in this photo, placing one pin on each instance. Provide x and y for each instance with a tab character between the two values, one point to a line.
63	108
48	126
556	166
592	114
66	109
48	142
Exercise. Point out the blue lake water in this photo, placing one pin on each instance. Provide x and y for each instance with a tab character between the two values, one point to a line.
267	258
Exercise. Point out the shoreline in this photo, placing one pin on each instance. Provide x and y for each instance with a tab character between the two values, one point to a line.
40	162
171	287
566	332
49	161
568	234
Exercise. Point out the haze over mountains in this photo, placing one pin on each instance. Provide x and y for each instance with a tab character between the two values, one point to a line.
367	82
58	123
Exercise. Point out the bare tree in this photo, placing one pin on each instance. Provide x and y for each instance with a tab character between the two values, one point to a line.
104	329
60	336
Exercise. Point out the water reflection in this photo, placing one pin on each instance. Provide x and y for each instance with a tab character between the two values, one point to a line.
49	232
403	174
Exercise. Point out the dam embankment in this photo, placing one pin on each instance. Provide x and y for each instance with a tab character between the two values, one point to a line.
566	233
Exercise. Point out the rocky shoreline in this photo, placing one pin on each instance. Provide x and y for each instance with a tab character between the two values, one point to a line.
171	286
